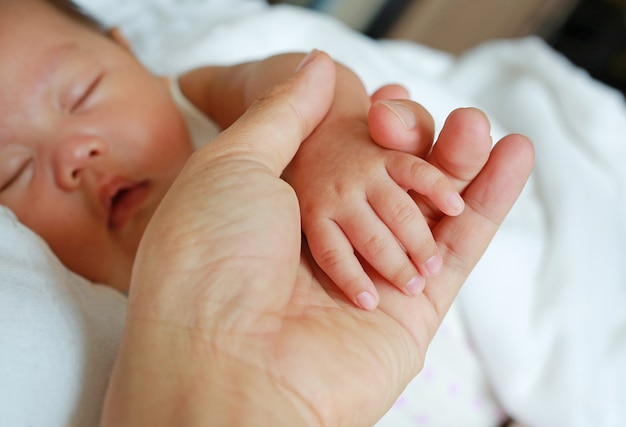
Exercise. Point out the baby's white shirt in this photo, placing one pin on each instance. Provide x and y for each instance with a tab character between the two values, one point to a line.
201	128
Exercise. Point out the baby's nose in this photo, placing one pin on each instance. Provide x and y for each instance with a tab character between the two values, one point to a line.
74	157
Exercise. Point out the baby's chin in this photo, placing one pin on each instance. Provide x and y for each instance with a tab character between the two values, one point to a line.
119	276
118	271
114	267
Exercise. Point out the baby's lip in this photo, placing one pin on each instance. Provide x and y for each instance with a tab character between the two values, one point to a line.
122	198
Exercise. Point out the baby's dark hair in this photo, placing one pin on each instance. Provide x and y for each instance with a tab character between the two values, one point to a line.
71	9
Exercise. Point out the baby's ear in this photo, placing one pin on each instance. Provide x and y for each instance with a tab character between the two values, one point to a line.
116	35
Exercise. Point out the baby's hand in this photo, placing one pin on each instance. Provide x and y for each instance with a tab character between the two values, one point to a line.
356	211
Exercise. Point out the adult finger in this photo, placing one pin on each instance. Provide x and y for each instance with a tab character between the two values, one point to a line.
390	91
489	197
463	146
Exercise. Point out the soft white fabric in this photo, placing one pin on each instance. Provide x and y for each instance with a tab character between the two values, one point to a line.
451	390
544	308
58	335
550	322
201	128
158	27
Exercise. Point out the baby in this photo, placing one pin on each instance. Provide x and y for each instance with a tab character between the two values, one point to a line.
90	142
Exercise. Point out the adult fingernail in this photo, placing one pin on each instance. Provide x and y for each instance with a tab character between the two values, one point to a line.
405	114
366	301
307	59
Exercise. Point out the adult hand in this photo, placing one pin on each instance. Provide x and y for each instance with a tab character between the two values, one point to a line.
228	325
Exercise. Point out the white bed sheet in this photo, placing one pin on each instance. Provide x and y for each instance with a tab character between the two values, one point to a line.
544	308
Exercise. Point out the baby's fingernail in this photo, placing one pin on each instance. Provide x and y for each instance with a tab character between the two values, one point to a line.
415	286
404	113
433	265
455	201
366	301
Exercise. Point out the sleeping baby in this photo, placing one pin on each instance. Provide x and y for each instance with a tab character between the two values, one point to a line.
96	140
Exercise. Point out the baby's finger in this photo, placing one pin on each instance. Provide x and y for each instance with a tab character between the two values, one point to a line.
405	220
371	238
413	173
334	254
401	125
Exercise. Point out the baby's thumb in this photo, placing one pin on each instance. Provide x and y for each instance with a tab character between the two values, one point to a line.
401	125
276	124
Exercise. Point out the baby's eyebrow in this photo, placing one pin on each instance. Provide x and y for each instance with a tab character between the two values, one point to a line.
49	64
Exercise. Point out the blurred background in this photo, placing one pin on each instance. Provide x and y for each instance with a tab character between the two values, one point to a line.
591	33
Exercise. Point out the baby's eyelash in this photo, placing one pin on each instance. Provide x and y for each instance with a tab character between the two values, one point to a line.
15	175
86	93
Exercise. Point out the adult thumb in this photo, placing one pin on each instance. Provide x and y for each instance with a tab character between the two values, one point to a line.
275	125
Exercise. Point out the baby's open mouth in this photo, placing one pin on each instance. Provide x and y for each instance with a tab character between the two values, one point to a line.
125	203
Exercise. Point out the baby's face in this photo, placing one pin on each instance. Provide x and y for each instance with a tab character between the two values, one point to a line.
90	141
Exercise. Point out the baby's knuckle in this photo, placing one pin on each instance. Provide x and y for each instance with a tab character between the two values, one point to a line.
441	183
403	213
427	174
339	188
330	258
418	169
375	245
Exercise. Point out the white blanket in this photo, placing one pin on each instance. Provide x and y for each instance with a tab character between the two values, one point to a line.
544	308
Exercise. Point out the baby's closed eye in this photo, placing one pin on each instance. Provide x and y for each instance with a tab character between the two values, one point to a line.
14	162
77	97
